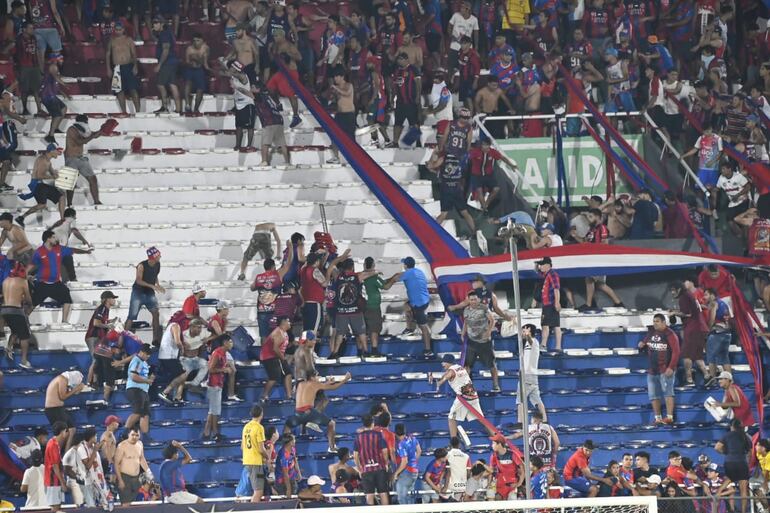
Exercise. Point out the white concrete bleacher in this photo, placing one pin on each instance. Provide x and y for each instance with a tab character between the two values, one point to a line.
200	206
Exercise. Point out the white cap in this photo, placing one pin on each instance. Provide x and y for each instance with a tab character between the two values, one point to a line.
315	480
222	304
725	375
198	287
74	378
654	479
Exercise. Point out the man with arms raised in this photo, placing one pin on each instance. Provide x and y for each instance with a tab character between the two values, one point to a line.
78	134
305	411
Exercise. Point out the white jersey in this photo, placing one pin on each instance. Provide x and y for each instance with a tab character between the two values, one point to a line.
241	99
24	448
531	358
33	478
194	343
615	72
439	91
168	348
541	443
458	463
556	240
462	384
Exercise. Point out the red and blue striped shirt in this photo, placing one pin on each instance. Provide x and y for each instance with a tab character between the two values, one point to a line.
550	284
369	446
48	262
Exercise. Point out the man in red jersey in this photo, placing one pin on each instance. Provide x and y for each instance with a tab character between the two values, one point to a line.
662	346
218	368
190	307
268	286
273	358
718	278
507	467
55	485
735	400
577	471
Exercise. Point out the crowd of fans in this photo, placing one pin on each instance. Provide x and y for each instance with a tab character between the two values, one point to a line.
695	67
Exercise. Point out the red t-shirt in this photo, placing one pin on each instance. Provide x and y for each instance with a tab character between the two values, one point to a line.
190	306
52	457
26	51
575	465
598	234
483	164
267	352
677	474
505	466
217	360
389	436
722	283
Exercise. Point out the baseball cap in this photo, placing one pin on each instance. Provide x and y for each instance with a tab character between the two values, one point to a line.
703	458
306	336
589	444
222	304
236	65
52	147
611	51
547	226
153	252
725	375
107	294
408	261
464	112
146	348
713	467
448	358
110	419
653	479
315	480
508	51
753	118
498	438
198	287
544	260
119	25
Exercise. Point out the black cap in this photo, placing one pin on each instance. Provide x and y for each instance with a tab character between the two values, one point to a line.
146	348
589	444
544	260
448	358
107	294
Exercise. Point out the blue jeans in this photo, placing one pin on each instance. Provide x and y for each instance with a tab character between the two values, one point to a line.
140	298
660	386
718	348
48	38
405	487
263	323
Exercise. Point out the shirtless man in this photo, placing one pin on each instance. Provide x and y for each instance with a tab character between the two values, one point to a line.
412	50
21	250
15	295
61	388
487	101
78	134
108	443
246	52
285	51
305	410
121	53
196	60
346	110
235	13
129	461
259	243
45	190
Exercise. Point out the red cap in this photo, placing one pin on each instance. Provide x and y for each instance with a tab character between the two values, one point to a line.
498	438
110	419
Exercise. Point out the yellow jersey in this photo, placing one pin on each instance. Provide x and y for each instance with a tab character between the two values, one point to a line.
517	11
764	464
252	438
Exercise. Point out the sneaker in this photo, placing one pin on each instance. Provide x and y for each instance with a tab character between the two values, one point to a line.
668	420
428	353
332	450
20	221
166	399
162	110
375	352
234	398
25	365
409	333
333	160
218	437
50	139
583	308
315	427
241	277
496	390
296	120
619	305
657	422
6	187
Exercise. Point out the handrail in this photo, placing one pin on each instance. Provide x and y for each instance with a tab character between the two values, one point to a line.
676	153
553	116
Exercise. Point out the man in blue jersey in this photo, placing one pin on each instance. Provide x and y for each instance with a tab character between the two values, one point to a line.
418	299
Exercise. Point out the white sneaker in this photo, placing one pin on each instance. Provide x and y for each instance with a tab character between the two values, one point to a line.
333	160
315	427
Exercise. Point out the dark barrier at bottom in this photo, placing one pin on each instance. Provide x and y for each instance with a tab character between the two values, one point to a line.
202	508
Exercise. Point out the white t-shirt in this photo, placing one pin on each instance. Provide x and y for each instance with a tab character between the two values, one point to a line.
168	348
462	27
732	187
194	342
92	475
459	463
71	459
64	230
581	224
556	240
33	478
241	99
437	92
531	358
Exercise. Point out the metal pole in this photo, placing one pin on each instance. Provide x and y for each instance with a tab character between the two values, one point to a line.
522	385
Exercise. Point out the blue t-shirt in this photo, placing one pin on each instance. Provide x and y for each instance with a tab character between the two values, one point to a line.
141	368
643	225
416	287
166	37
539	484
407	448
171	477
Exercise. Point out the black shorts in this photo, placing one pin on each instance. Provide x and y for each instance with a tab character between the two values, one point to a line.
139	401
550	317
276	369
406	113
246	117
673	123
59	414
483	351
105	372
251	71
737	210
763	206
312	415
347	123
375	482
128	81
488	182
171	368
44	192
167	73
466	90
54	106
433	42
311	316
57	291
17	321
452	197
737	471
419	315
